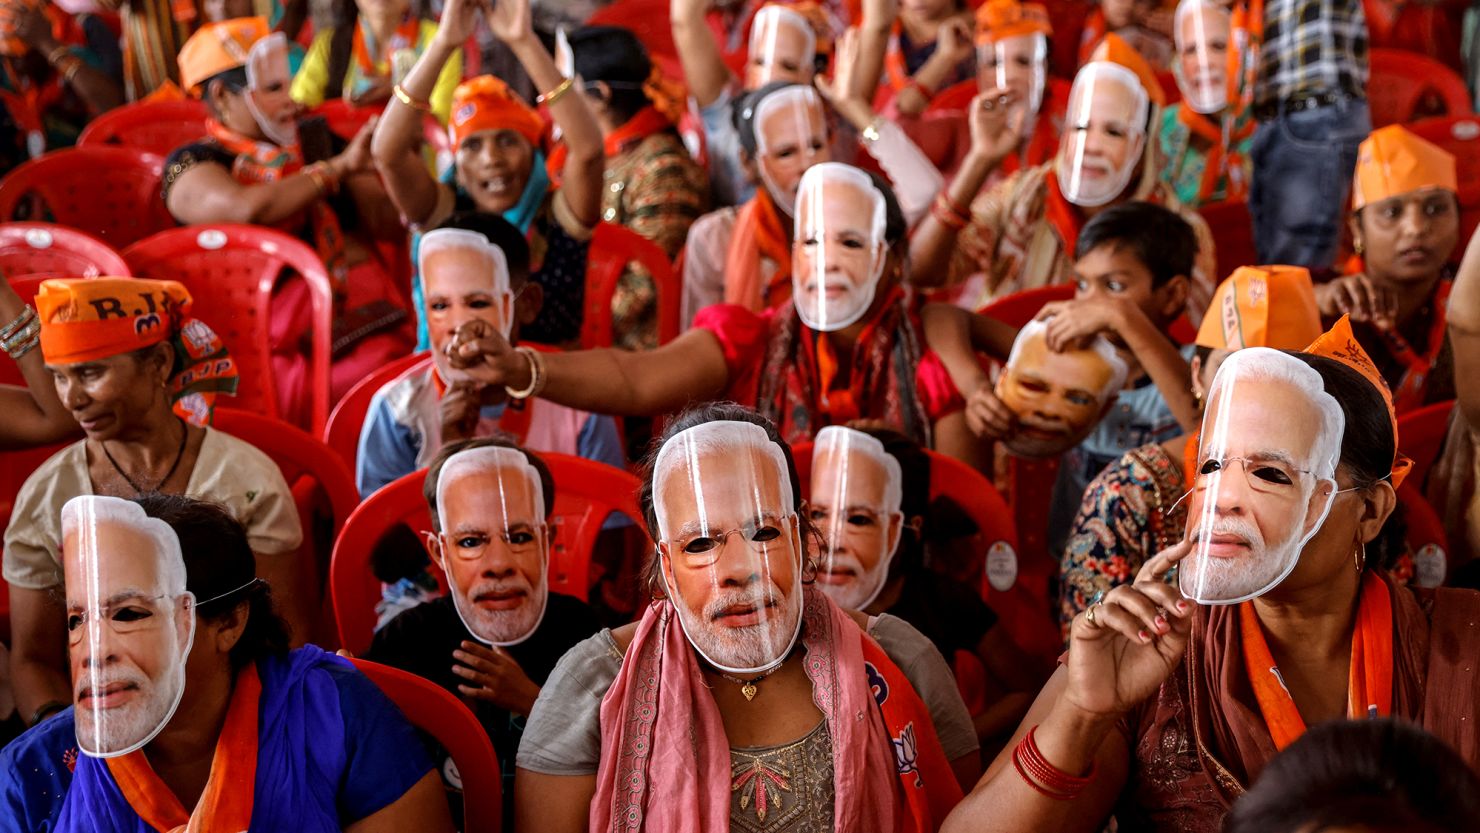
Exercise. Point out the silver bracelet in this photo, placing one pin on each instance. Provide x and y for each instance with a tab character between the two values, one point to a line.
27	314
21	343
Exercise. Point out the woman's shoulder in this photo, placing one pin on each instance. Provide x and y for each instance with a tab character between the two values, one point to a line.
201	150
221	450
64	473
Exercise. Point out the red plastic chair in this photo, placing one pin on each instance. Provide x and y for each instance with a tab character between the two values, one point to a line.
1404	86
1233	235
343	431
1420	435
1460	135
152	126
955	98
1019	308
649	21
110	192
585	493
1425	541
47	250
231	271
612	248
439	713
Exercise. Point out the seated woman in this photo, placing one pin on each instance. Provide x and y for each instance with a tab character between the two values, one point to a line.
1135	507
189	709
34	415
368	49
1165	708
58	71
776	711
251	169
1205	138
652	184
499	166
849	345
142	387
742	255
930	48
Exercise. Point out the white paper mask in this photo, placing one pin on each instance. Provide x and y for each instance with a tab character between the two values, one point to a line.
856	493
1203	33
838	251
459	266
1104	134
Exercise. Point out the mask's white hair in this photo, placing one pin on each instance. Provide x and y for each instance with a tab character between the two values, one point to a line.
490	458
1098	345
732	439
1096	73
798	98
82	515
763	28
1263	363
839	439
832	174
443	239
1187	7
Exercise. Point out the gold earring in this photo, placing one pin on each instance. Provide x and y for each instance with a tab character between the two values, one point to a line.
1359	557
1197	400
1357	244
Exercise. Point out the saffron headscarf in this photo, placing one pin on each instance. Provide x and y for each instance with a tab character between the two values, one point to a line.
86	320
1341	344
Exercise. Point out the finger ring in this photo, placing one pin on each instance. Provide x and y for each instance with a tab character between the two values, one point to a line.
988	104
1089	615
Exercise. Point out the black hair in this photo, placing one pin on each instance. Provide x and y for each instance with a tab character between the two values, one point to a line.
1382	774
1368	444
1158	237
434	471
234	80
501	233
742	112
700	415
221	571
914	501
613	55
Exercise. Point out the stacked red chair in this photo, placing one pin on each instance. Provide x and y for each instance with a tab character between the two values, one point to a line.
110	192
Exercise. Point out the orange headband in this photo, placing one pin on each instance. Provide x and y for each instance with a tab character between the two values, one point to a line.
487	103
1002	19
217	47
84	320
1262	306
1340	344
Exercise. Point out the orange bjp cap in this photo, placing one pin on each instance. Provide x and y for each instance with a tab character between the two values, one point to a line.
87	319
487	103
1002	19
1341	344
1393	161
1262	306
217	47
1114	49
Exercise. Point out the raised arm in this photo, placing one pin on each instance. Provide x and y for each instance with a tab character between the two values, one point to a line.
704	67
992	139
689	369
953	45
396	147
873	42
33	414
98	91
1464	333
510	22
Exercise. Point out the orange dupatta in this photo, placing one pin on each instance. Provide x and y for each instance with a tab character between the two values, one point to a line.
404	38
226	804
1370	683
1061	214
758	232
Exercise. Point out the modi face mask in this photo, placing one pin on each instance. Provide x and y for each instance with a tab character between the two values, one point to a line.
1265	477
838	252
790	137
1020	64
464	277
1104	134
730	544
494	542
856	492
1058	397
268	81
782	48
130	622
1203	33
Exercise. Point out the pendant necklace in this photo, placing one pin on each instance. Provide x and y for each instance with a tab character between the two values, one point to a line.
747	687
179	455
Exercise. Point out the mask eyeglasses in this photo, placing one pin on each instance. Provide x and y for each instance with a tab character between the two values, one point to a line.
1266	475
703	548
128	615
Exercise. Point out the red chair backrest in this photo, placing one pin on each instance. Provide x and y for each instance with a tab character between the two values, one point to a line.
302	457
1404	86
612	248
1460	135
585	493
231	271
47	250
1233	235
1420	434
1019	308
954	98
439	713
649	21
343	431
152	126
1425	541
111	192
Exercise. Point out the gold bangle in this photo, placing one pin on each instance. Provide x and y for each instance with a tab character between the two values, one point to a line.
58	54
405	98
550	98
870	134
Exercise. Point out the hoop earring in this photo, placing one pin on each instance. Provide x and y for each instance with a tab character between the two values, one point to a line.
1359	557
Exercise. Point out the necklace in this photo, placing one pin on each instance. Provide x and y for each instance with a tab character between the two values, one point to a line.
179	455
747	687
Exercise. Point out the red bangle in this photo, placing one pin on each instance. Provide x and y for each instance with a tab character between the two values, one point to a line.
948	214
1044	776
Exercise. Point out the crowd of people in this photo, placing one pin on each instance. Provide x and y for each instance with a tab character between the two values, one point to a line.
924	253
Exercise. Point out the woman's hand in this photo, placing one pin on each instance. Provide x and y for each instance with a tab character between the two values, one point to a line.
838	92
356	158
459	22
482	352
510	20
1124	647
954	43
988	416
993	137
494	677
460	409
33	28
1361	298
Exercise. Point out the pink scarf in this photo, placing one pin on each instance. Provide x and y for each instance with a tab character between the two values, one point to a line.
659	700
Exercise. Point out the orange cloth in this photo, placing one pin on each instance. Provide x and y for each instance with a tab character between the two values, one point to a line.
88	320
487	103
758	232
217	47
1001	19
1341	344
1114	49
1369	691
1262	306
1393	161
226	804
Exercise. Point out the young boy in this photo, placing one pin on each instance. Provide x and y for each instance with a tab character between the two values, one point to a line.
1132	268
